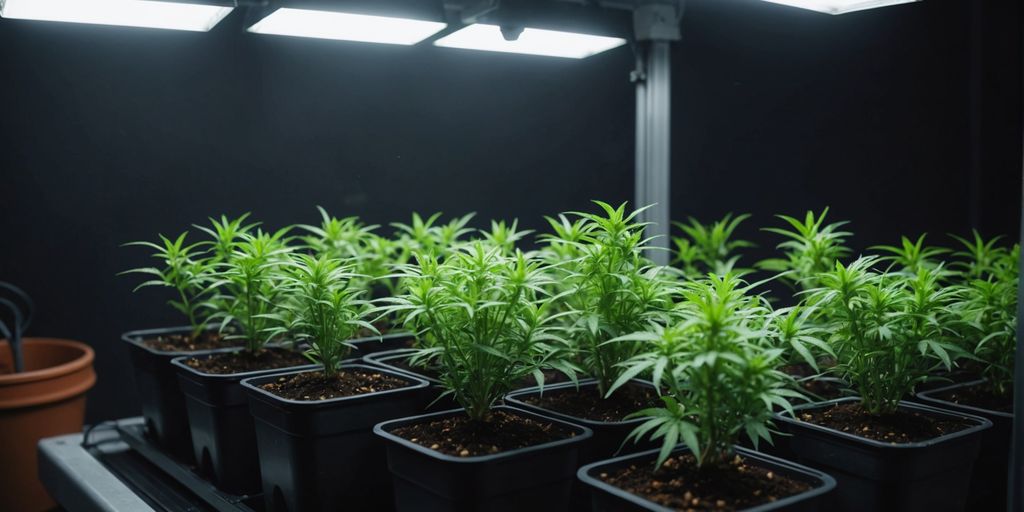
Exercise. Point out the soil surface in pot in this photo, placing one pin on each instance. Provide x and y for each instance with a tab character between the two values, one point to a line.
678	484
902	427
185	343
587	403
500	432
978	396
317	386
245	361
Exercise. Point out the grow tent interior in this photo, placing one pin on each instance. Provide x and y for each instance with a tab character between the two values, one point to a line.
903	120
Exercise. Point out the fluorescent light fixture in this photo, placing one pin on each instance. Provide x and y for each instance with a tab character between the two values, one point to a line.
128	13
346	27
533	41
840	6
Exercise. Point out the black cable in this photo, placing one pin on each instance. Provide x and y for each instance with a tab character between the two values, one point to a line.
88	431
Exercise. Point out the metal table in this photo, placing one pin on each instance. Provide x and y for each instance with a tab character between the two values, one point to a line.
113	467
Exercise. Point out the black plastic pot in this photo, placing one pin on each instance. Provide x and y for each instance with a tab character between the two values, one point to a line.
872	475
606	441
429	396
535	479
322	455
223	432
988	482
386	342
608	498
163	404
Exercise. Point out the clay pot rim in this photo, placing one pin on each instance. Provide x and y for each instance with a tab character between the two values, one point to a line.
79	363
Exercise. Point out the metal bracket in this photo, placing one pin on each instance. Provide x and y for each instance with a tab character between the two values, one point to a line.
658	21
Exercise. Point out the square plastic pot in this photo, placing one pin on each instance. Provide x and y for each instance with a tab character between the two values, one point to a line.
988	481
373	344
322	455
608	498
872	475
223	432
430	397
604	444
163	404
536	478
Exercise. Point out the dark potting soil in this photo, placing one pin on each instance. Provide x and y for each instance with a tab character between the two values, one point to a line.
825	389
245	361
185	343
587	403
900	427
980	397
678	484
500	432
317	386
805	375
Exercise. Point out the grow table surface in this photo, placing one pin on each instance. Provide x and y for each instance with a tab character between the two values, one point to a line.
118	469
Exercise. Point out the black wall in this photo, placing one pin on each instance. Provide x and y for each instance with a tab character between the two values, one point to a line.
903	120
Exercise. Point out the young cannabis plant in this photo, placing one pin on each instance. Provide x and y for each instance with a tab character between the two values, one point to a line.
810	248
911	256
483	318
187	269
610	290
249	287
986	317
886	330
350	240
708	248
426	236
225	234
718	366
505	235
979	257
323	307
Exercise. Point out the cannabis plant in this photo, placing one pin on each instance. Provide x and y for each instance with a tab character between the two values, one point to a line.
427	236
322	306
483	320
717	367
810	247
608	290
351	240
986	320
708	248
886	329
911	256
563	244
225	234
188	269
249	287
505	235
336	238
978	257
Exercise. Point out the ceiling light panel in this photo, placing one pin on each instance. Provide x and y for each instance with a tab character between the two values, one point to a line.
346	26
128	13
532	41
840	6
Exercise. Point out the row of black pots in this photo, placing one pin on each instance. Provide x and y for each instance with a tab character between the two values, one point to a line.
988	482
317	455
163	404
420	485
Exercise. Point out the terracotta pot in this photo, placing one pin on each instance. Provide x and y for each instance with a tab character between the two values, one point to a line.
45	400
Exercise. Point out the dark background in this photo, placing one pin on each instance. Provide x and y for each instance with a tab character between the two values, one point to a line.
904	120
